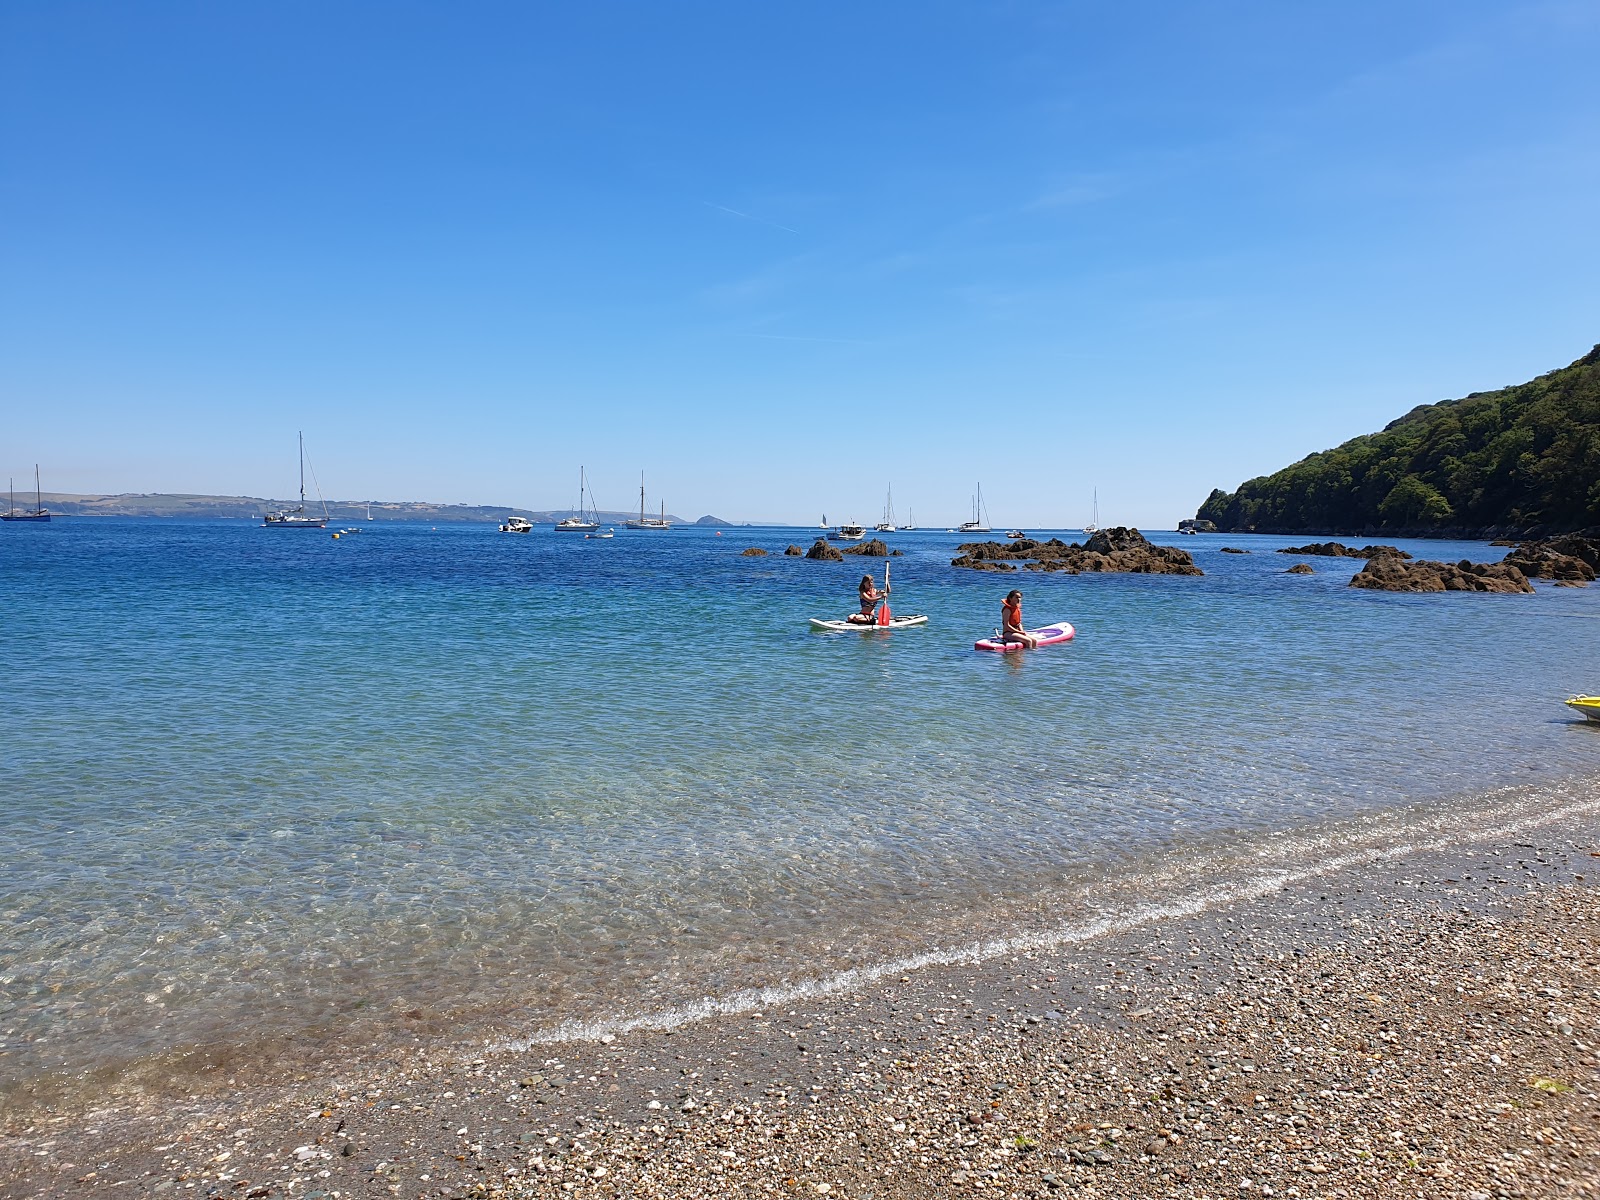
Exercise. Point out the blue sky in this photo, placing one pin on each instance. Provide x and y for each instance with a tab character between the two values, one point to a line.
777	256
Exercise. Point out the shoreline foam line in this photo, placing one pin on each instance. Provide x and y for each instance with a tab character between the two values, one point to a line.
753	999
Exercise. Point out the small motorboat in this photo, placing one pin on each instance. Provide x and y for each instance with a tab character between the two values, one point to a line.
516	524
1015	534
1589	706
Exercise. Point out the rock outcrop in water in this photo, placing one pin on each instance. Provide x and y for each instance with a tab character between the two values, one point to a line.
753	552
822	552
1338	550
794	552
872	548
1109	550
1387	573
1232	550
1571	558
1300	569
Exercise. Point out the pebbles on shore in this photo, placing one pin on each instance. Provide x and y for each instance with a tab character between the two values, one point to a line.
1424	1028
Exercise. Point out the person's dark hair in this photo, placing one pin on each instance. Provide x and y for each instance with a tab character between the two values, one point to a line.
866	581
1014	592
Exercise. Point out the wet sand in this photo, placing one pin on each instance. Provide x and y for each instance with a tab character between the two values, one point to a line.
1419	1022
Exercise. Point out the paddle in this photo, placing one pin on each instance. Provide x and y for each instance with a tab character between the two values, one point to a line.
884	615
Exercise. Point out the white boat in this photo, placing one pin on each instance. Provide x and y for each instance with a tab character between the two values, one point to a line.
887	524
1015	534
516	524
980	519
645	522
37	513
604	533
848	532
580	520
297	517
369	512
910	525
1094	519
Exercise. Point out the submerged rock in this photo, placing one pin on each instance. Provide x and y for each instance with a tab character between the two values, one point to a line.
1120	550
1233	550
794	552
1300	569
753	552
1389	574
823	552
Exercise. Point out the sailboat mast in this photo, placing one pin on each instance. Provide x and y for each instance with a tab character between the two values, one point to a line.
302	468
38	496
641	497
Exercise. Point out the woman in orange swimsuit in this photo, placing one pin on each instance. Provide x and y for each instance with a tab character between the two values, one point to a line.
1011	621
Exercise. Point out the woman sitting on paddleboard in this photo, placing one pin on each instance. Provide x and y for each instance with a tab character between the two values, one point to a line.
1011	621
870	595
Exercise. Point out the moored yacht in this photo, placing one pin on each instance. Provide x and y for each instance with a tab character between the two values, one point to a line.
980	519
297	517
580	521
37	513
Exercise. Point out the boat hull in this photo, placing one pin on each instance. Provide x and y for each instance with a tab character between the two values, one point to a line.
1588	706
24	516
294	523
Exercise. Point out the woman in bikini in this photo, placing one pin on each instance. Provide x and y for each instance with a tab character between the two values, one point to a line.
870	595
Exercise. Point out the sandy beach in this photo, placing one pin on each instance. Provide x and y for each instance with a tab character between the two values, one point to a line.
1421	1021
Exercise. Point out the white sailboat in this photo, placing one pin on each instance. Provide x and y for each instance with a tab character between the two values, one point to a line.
297	517
645	522
1094	519
580	522
910	526
887	524
980	518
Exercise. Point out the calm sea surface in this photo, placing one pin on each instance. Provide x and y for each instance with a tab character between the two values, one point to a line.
262	786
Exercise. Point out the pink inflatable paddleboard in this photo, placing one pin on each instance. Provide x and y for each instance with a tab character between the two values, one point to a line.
1049	635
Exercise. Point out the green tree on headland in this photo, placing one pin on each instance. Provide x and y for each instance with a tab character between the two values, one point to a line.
1515	460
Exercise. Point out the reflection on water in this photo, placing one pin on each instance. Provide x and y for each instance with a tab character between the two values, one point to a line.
262	780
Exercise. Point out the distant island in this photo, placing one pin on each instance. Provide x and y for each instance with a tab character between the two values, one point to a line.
252	508
1519	462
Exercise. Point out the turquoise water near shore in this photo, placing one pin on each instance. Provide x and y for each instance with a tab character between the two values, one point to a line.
261	784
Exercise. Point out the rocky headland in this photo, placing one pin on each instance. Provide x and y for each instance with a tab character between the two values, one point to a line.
1120	549
1571	558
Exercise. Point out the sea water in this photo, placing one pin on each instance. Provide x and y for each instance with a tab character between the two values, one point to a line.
266	789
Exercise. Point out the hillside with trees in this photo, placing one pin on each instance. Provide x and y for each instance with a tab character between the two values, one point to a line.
1521	460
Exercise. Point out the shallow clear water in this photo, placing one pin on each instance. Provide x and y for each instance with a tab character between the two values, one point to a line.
264	784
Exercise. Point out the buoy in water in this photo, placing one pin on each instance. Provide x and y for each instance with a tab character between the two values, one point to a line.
336	537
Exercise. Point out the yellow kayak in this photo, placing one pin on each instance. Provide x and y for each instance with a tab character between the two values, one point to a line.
1589	706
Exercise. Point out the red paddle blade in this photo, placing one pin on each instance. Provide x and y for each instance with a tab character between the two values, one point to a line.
883	614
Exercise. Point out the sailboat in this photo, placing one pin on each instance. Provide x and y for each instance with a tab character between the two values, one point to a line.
369	512
1094	519
979	522
579	522
910	526
887	524
37	513
645	522
297	517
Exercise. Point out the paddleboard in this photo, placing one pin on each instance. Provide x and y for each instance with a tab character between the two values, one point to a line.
847	626
1049	635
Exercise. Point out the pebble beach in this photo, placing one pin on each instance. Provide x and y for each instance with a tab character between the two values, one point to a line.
1415	1021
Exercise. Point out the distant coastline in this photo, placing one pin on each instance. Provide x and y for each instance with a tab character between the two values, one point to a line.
181	505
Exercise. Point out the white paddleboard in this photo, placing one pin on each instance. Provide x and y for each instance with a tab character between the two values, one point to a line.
847	626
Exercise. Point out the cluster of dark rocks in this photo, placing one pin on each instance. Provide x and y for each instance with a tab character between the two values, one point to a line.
1120	550
1570	558
1339	550
1387	573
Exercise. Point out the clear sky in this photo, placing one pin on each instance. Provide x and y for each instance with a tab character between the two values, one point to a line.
777	256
